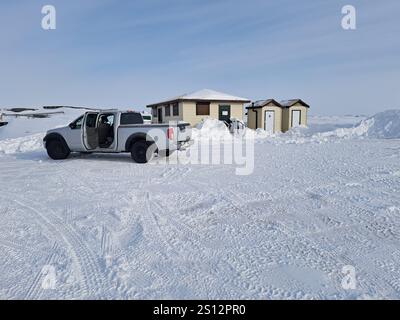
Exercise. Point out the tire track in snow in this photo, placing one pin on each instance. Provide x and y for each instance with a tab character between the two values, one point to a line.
379	279
181	248
250	285
361	219
142	274
35	290
305	238
338	258
152	222
89	272
157	220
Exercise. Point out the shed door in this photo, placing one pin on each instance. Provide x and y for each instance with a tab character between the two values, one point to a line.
224	113
269	121
296	118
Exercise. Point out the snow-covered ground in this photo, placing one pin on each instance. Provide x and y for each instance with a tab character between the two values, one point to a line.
101	226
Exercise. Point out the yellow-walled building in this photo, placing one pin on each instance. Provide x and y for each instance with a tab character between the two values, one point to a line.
199	105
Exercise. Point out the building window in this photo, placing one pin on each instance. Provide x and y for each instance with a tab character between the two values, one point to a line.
202	109
167	110
175	109
154	112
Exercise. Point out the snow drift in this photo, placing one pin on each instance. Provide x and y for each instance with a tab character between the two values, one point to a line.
211	129
215	130
383	125
22	144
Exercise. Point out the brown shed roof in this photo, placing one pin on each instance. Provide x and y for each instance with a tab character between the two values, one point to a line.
292	102
282	104
263	103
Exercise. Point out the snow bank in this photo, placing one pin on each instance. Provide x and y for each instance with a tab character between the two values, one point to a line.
360	130
383	125
22	144
211	129
319	124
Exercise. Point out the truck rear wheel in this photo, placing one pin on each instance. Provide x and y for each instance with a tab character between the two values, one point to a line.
57	150
143	151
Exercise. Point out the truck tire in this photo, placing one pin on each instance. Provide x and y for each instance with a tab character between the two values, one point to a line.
142	151
57	150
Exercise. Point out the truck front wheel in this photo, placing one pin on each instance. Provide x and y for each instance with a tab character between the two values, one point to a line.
57	150
142	151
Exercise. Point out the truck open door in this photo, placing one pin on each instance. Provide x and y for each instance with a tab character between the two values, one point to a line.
90	131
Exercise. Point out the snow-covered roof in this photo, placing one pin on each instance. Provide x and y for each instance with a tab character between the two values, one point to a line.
204	95
291	102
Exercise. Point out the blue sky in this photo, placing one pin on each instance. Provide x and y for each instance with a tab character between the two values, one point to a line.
112	53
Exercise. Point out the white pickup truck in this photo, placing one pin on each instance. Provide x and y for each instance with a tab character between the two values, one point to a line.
113	131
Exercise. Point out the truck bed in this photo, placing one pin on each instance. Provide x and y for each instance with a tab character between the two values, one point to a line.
182	134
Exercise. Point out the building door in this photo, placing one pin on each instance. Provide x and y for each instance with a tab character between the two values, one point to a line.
269	124
224	113
160	115
296	118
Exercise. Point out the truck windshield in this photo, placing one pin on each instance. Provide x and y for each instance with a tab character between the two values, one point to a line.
131	118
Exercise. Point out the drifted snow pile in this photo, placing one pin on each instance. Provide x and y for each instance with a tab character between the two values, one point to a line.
383	125
23	144
217	131
211	129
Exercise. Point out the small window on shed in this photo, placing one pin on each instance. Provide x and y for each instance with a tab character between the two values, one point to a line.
203	109
131	118
154	110
167	110
175	109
